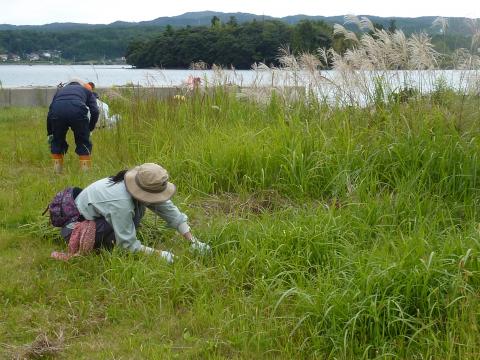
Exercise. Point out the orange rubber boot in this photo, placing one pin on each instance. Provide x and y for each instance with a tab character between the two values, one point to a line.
57	163
85	162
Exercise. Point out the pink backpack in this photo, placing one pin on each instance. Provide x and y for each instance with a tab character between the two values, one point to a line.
62	208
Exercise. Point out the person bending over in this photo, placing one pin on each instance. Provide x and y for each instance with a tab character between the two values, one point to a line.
118	203
70	109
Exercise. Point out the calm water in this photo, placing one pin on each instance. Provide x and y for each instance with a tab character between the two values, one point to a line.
107	75
348	88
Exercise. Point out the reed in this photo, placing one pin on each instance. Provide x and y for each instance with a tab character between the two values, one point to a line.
375	60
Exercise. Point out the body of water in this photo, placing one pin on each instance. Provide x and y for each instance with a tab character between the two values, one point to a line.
350	87
109	75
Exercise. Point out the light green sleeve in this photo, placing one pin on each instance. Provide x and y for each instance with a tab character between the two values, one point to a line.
121	219
169	213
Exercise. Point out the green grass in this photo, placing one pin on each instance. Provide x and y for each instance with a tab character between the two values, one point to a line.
336	233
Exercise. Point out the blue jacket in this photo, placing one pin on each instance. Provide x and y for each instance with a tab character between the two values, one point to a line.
73	102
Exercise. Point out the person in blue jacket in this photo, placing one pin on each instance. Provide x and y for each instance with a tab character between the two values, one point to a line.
70	109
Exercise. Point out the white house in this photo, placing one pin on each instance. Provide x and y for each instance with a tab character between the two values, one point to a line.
33	57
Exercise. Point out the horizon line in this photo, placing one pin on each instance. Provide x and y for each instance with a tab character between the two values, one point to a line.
230	12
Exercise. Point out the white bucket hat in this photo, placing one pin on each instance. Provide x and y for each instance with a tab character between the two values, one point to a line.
148	183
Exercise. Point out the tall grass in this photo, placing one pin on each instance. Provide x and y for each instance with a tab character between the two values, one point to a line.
343	233
377	65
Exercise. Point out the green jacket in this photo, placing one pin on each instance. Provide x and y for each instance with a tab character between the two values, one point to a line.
116	205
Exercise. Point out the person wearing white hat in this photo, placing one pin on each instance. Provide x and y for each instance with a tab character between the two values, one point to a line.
120	202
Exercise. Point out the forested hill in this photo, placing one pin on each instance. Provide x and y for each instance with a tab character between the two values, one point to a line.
235	39
229	44
74	44
408	25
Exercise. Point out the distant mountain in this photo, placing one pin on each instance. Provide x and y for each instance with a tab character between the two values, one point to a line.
408	25
53	26
203	18
188	19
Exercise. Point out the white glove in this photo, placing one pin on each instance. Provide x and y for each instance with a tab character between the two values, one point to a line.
167	256
199	246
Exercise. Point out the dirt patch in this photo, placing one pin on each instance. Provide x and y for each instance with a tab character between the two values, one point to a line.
43	346
230	203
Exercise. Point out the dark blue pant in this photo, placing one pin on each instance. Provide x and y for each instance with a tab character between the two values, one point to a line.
70	115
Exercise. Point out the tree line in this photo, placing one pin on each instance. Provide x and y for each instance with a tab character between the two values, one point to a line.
78	45
228	44
236	45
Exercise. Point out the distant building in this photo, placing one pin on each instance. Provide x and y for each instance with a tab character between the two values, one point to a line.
33	57
14	57
49	54
3	57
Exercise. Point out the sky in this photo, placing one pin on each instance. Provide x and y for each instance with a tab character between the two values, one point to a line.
37	12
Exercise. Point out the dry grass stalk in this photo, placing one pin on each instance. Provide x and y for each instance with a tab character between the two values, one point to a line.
464	60
286	59
377	55
366	24
42	346
352	19
309	62
422	54
348	35
323	54
220	77
260	66
442	23
474	25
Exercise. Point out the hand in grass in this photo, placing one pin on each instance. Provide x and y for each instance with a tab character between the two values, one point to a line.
199	246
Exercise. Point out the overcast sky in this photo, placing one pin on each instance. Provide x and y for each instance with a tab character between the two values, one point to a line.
35	12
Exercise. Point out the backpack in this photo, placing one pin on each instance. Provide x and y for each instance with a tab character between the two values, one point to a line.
62	208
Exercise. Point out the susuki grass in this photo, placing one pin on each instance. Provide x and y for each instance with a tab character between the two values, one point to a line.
342	233
376	65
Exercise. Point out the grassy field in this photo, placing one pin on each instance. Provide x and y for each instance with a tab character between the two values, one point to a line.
336	234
